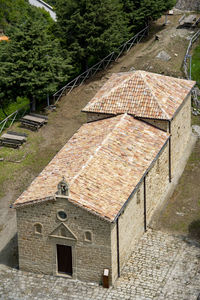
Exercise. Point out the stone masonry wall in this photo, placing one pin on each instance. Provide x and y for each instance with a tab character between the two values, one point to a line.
162	124
131	222
157	182
37	253
188	5
95	116
180	131
131	228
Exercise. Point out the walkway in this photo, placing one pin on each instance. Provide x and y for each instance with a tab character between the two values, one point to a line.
162	267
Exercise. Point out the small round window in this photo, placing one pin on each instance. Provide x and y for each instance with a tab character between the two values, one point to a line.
62	215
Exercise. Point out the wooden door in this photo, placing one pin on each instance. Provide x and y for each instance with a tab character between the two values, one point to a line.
64	259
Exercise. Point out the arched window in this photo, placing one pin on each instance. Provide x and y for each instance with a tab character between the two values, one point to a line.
88	236
38	228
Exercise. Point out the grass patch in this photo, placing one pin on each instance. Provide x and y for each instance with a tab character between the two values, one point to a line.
195	120
196	64
194	157
180	226
28	159
12	107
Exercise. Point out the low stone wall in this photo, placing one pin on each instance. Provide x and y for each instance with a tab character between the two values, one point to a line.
191	5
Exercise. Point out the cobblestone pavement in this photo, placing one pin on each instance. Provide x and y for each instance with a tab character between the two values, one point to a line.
161	267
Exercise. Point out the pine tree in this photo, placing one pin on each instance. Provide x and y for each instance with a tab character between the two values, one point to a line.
90	29
140	12
31	63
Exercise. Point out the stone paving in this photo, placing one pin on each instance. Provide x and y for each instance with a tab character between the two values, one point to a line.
161	267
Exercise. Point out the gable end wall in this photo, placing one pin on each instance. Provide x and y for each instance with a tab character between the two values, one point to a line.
37	253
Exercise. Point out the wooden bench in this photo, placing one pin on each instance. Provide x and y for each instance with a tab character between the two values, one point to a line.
13	139
30	125
39	116
17	133
33	121
10	143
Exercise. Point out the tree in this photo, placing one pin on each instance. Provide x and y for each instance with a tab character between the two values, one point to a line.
90	29
139	12
31	63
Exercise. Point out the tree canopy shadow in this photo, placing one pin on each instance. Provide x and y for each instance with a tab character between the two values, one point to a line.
194	230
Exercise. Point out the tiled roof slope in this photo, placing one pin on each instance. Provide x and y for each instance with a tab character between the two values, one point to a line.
141	94
102	163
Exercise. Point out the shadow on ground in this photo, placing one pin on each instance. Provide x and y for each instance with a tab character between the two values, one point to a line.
194	230
9	254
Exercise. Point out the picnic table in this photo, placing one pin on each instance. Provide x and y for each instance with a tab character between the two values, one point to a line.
13	139
34	121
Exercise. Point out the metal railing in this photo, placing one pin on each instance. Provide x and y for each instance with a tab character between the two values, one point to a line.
101	65
187	55
188	74
9	120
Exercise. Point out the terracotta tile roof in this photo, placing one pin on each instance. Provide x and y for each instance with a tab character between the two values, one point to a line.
141	94
102	163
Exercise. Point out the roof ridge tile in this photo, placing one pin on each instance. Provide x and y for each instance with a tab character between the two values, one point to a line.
144	78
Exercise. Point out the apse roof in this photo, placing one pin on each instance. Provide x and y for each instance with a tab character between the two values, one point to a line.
142	94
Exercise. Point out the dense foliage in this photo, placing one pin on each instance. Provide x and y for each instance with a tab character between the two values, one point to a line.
17	11
41	54
140	12
51	2
31	63
90	29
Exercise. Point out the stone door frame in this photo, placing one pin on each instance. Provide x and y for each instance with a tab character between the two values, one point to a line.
64	242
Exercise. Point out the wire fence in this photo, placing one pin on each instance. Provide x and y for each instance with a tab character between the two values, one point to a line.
188	71
16	115
188	56
101	65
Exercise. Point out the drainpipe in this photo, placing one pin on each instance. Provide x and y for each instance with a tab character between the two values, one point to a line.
145	206
118	261
170	162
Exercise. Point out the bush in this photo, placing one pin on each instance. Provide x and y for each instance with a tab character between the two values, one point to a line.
12	107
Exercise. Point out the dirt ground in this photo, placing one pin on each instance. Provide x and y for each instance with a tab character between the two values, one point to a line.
20	167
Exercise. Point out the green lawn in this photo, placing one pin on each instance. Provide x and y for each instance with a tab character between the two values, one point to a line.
196	64
12	107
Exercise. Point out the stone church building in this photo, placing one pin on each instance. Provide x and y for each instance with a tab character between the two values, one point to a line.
90	205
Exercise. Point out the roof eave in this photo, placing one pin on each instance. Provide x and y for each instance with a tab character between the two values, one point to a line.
32	202
53	198
99	112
